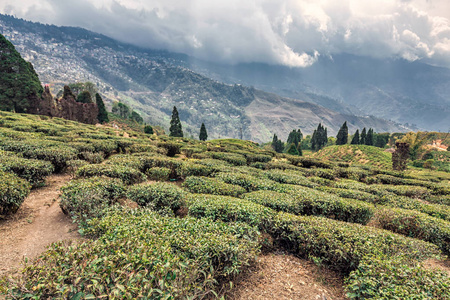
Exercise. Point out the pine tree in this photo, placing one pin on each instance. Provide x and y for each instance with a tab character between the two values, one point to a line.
175	124
369	137
362	137
277	144
102	113
319	138
203	134
342	136
355	139
295	137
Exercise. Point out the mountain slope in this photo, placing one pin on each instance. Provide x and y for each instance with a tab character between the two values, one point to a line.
152	82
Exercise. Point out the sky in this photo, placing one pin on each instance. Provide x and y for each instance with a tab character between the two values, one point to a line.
293	33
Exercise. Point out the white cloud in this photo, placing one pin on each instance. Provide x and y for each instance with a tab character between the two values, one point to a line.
288	32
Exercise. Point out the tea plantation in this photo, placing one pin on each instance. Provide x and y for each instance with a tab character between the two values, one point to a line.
205	208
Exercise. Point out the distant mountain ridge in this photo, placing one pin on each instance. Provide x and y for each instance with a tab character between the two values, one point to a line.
152	82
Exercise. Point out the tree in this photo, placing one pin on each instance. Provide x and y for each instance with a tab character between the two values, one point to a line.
295	137
355	139
277	144
68	92
120	109
84	97
369	137
18	80
203	136
135	116
102	113
292	150
362	137
148	129
175	124
400	156
381	139
342	136
319	138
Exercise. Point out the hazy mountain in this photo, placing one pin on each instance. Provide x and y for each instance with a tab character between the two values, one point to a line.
152	82
399	90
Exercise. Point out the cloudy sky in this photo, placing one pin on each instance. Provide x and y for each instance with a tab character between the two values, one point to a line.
288	32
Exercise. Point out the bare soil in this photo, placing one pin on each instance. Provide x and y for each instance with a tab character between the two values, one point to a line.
283	276
38	223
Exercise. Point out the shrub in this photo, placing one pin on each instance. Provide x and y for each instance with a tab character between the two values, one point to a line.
93	158
290	178
306	162
230	209
232	158
249	182
142	255
204	185
13	191
172	148
190	151
138	147
58	156
252	158
417	225
126	174
74	165
158	174
157	196
32	170
403	190
85	199
384	277
304	201
322	173
191	168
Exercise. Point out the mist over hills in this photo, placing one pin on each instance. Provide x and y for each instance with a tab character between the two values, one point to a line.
152	82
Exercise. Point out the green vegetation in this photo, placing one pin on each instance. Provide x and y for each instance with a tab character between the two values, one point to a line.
343	207
342	136
19	83
203	136
102	113
175	124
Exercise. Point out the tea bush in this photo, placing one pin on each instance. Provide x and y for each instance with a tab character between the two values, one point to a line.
232	158
158	174
304	201
157	196
253	158
32	170
84	199
58	156
204	185
191	168
230	209
249	182
403	190
417	225
126	174
142	255
13	191
385	277
290	178
171	148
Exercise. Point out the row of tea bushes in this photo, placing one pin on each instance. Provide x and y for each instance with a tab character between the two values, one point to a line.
204	185
32	170
304	201
13	191
126	174
346	247
139	254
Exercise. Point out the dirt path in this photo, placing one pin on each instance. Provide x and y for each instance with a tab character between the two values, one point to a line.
284	276
38	223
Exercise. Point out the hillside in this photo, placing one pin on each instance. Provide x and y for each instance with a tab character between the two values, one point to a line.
152	82
175	218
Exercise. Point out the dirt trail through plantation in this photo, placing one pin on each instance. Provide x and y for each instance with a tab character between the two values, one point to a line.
38	223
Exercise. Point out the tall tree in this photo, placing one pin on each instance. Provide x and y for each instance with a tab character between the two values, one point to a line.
369	137
175	124
203	136
355	139
319	138
135	116
362	137
295	137
102	113
342	136
381	139
277	144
